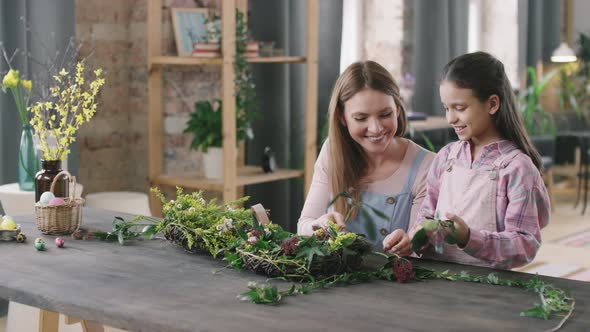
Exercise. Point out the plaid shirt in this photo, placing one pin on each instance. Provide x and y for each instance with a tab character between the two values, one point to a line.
522	205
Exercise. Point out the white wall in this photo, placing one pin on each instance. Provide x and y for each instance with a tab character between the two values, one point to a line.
581	21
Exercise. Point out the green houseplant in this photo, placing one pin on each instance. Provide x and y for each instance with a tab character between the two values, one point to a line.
575	80
537	121
205	123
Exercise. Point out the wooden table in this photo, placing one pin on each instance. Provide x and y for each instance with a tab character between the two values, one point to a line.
151	285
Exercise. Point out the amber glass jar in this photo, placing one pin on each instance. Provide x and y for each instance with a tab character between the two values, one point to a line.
43	179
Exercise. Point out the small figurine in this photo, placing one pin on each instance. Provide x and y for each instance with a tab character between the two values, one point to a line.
269	163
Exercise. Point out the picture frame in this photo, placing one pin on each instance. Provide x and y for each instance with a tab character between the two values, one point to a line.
189	27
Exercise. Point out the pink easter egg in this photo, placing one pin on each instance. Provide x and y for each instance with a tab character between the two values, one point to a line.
59	242
57	201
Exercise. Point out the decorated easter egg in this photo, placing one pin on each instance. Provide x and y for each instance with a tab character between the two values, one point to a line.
8	223
39	244
57	201
46	197
59	242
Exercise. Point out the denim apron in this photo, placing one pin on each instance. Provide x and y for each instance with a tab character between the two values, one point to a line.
395	207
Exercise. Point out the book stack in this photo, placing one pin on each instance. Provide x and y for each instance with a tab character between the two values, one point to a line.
207	50
252	49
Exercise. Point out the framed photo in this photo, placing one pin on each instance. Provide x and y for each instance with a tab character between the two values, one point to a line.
189	27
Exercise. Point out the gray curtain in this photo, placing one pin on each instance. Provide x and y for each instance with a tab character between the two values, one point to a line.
51	23
440	34
539	30
281	96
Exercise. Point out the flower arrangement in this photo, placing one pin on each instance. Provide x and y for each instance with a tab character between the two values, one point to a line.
199	225
21	92
71	103
330	257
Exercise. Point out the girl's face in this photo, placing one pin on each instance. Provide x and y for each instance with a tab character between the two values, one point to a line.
471	118
371	119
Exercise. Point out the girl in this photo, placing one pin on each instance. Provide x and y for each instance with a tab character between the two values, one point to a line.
366	156
488	183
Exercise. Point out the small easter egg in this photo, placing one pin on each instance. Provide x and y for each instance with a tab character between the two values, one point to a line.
57	201
59	242
8	224
46	197
39	244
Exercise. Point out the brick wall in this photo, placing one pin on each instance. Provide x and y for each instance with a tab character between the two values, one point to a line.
113	146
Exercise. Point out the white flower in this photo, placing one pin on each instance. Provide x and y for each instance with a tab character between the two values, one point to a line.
228	223
172	201
252	239
179	206
267	231
203	202
192	209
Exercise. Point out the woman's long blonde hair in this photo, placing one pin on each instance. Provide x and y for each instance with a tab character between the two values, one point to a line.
347	159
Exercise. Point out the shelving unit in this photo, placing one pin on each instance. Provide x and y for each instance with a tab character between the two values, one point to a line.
234	176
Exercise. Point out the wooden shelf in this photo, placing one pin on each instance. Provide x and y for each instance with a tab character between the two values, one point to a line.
247	175
192	61
237	176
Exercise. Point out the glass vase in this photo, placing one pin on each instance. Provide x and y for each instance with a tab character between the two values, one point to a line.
43	180
28	163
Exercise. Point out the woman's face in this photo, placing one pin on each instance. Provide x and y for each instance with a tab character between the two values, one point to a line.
371	119
471	118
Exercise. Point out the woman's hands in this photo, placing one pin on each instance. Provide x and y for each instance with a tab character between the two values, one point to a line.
322	222
397	242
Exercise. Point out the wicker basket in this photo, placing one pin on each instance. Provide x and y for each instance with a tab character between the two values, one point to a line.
335	263
60	219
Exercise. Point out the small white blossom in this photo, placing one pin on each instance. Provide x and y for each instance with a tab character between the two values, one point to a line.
192	209
179	206
252	239
203	202
267	231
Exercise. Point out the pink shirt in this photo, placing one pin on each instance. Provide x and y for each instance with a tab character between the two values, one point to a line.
319	194
522	205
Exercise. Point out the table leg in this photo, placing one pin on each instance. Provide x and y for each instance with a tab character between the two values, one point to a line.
48	321
88	326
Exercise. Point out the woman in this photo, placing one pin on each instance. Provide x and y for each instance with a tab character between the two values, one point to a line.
367	156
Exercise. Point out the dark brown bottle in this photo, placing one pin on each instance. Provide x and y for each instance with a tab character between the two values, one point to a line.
43	179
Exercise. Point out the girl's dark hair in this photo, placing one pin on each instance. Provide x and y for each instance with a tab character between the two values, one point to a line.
485	76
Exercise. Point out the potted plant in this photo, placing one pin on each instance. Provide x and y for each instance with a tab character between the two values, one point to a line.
537	121
205	123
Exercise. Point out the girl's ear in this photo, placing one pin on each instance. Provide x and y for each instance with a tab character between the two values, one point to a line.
493	104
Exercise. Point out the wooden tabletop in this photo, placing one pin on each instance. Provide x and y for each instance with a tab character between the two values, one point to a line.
151	285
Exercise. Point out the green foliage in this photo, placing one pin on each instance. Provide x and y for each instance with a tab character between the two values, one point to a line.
536	120
205	122
434	226
211	226
123	230
575	77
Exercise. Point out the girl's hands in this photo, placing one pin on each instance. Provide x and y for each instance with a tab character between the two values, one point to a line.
397	242
462	231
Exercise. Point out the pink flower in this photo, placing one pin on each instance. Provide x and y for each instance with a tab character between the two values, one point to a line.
252	240
403	270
